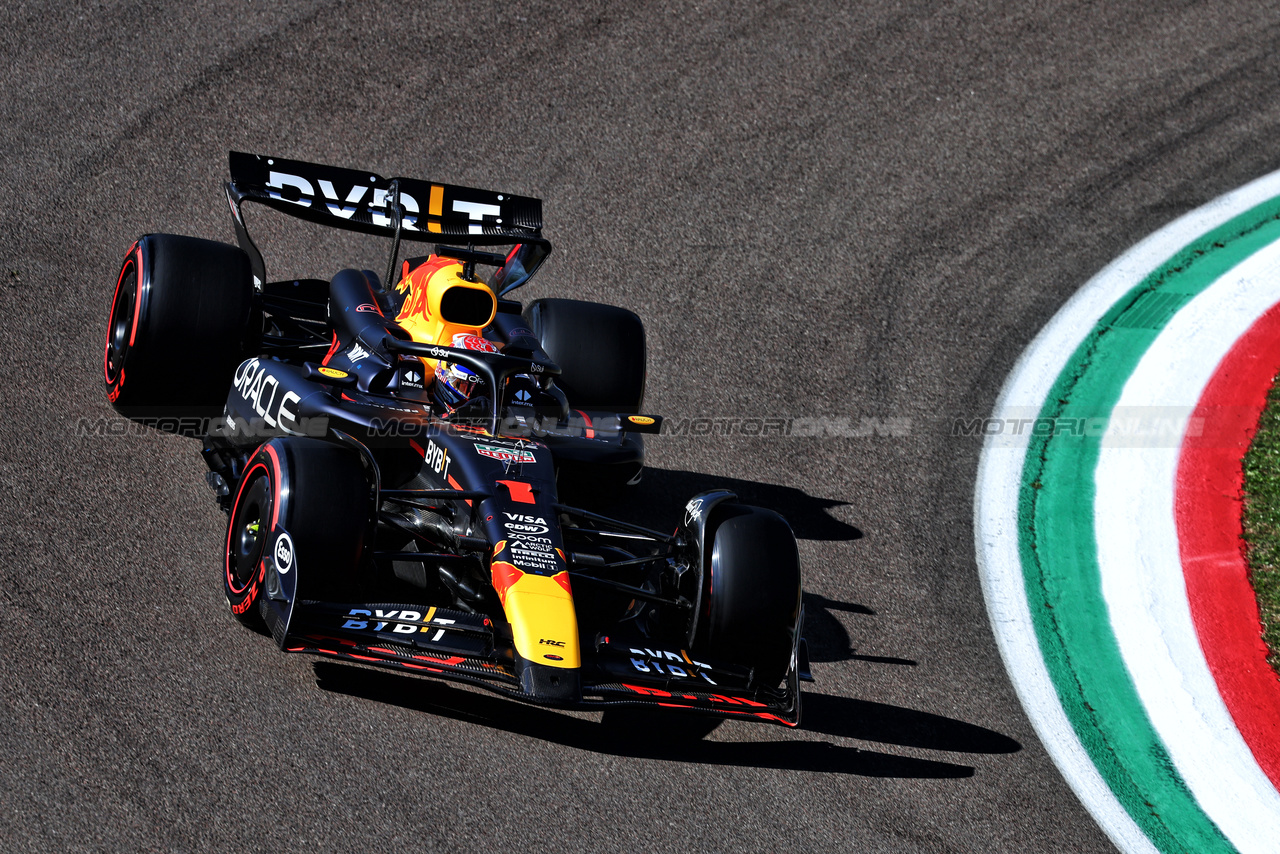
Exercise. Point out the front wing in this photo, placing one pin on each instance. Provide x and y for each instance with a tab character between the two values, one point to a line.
459	647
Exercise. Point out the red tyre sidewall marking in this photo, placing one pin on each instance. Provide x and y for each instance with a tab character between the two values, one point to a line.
275	513
1207	509
137	298
276	482
235	508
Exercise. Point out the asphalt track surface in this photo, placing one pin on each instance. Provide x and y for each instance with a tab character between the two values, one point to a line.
819	210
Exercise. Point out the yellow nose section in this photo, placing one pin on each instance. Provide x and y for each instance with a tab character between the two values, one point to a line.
544	624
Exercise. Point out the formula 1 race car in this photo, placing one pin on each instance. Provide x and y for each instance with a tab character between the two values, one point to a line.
394	463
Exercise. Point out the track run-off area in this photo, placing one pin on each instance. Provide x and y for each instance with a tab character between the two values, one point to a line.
1107	529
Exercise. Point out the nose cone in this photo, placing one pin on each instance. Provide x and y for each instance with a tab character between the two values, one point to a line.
544	624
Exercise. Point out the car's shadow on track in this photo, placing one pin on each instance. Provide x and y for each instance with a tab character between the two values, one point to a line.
658	502
827	637
823	715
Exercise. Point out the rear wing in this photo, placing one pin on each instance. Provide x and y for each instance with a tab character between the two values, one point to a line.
366	202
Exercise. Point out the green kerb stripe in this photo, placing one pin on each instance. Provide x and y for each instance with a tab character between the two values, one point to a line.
1059	552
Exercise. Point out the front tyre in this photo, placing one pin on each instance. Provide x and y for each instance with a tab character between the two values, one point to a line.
244	567
318	496
752	593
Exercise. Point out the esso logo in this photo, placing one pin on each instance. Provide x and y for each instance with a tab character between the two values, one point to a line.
284	553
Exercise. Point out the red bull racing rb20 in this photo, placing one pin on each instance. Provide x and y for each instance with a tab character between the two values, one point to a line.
402	459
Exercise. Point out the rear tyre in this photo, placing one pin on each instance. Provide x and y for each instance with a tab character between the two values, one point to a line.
318	493
601	353
600	350
180	323
751	593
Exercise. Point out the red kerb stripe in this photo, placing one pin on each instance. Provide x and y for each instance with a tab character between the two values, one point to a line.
1207	506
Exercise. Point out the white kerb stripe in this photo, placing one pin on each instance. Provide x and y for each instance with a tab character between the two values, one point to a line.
1142	578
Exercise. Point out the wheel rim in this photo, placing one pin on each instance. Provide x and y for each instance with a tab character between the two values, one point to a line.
120	326
249	531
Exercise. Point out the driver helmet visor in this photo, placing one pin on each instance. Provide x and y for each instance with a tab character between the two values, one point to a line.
461	381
